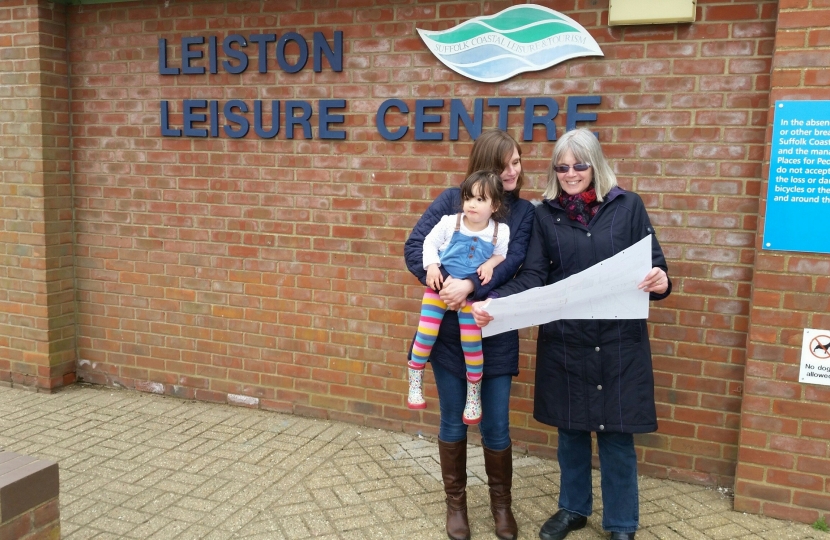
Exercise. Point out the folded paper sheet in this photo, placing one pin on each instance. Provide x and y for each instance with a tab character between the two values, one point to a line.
607	290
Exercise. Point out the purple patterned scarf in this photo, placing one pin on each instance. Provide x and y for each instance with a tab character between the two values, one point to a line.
580	207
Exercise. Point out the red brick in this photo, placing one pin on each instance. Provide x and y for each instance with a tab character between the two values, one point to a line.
818	38
752	439
782	511
791	39
792	283
731	13
802	410
808	464
670	459
723	469
801	18
750	472
767	493
795	445
743	504
795	480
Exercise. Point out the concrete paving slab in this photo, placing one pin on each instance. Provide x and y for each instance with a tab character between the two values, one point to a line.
143	466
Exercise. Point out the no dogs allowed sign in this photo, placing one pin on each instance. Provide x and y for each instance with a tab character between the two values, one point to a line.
815	357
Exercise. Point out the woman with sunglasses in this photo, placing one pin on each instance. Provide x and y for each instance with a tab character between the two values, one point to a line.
591	375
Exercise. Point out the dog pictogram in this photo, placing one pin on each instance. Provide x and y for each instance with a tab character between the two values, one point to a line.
820	347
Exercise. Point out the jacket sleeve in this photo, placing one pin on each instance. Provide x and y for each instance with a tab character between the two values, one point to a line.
521	224
445	204
641	227
534	272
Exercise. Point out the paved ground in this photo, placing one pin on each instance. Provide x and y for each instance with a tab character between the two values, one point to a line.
137	465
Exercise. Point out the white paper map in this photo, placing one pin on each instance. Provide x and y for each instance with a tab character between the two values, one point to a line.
607	290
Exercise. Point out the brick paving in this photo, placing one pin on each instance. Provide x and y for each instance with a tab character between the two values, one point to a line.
136	465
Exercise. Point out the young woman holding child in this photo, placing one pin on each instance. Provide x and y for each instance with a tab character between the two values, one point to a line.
496	151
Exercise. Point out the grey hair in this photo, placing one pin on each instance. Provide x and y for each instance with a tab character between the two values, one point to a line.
585	148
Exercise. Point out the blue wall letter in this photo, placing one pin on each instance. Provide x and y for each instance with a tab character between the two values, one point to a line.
165	122
233	53
380	119
188	55
472	125
574	116
275	119
188	117
334	56
531	119
236	118
163	69
301	61
263	40
422	118
327	118
291	120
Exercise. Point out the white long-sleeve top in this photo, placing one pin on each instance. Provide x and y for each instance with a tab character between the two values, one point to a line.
439	238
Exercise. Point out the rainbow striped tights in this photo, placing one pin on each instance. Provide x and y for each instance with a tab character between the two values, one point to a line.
432	313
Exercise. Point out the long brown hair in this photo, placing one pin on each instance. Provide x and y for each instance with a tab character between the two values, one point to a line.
492	151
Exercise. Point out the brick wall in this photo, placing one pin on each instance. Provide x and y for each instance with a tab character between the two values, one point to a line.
37	325
784	455
268	272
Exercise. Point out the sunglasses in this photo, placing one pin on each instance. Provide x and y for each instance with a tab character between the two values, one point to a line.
580	167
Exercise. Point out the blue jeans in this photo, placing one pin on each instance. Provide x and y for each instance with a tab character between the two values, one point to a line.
495	407
618	473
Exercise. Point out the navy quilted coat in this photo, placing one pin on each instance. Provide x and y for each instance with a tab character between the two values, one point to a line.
501	352
591	375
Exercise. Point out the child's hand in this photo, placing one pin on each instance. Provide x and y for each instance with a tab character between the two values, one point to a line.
434	277
485	273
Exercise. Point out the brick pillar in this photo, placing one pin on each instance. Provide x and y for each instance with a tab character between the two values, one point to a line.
784	454
37	305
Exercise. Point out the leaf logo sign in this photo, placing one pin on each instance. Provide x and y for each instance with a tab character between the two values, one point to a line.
521	38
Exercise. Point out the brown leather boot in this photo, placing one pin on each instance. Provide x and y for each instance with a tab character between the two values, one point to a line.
499	468
454	471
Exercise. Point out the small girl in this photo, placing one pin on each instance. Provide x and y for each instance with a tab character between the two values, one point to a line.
468	244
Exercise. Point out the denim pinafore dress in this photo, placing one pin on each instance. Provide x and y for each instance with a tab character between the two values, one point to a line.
465	254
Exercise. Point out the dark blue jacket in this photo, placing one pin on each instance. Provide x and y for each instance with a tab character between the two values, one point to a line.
501	352
591	375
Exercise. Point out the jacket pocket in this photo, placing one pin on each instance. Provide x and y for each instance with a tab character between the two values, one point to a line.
628	332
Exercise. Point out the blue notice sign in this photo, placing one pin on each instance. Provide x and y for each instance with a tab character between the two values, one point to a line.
798	200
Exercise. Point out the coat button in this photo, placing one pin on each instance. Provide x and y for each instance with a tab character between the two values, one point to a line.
596	349
589	234
599	387
601	427
475	239
558	219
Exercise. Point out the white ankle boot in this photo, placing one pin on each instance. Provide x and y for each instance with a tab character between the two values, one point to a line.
415	400
472	409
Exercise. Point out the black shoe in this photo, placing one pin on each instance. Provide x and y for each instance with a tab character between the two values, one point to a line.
621	536
560	524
